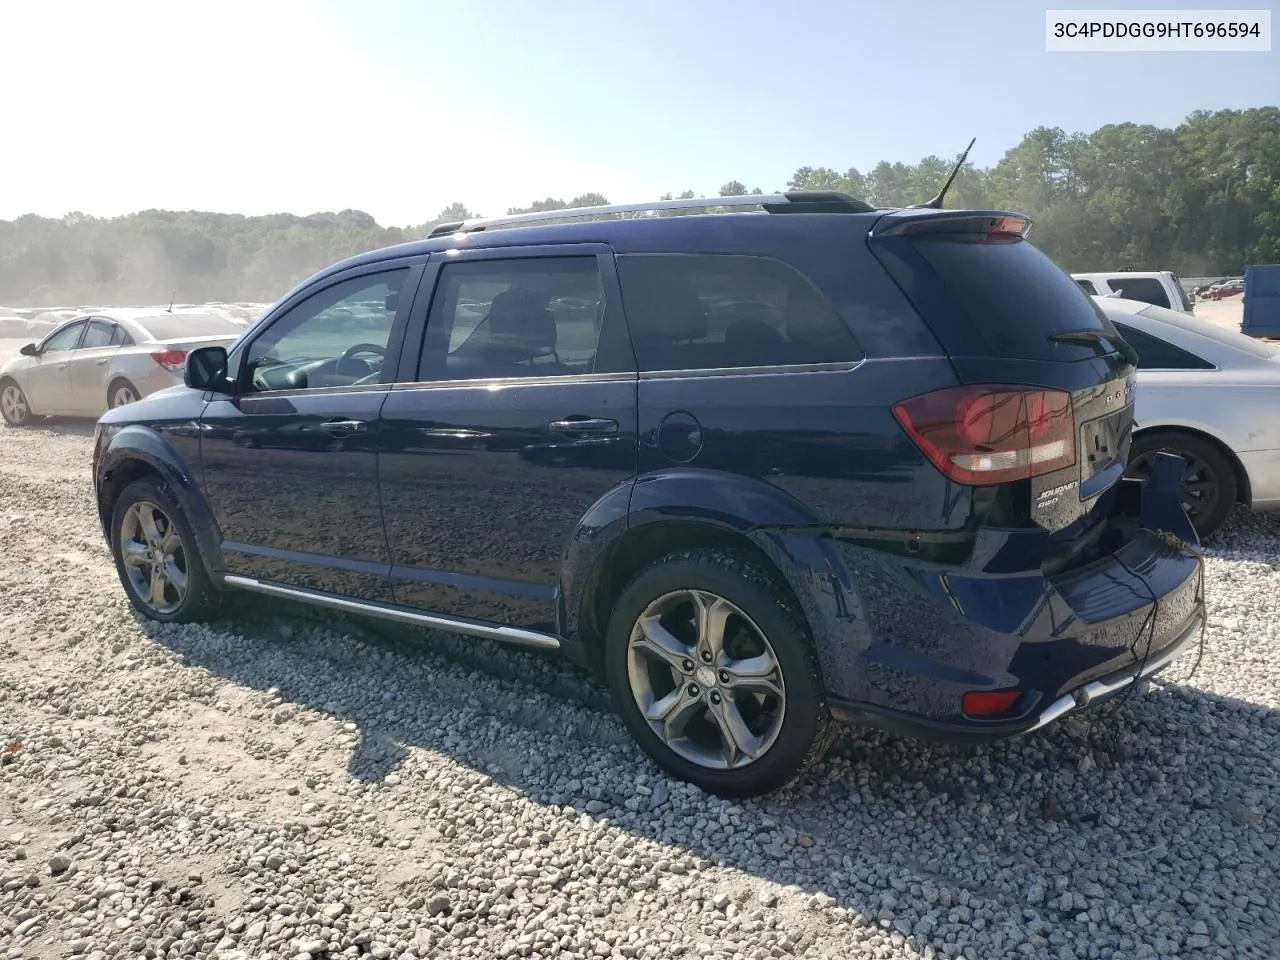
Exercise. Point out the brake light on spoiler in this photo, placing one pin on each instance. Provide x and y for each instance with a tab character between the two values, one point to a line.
171	360
988	434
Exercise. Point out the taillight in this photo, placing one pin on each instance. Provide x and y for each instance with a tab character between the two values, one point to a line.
171	360
980	435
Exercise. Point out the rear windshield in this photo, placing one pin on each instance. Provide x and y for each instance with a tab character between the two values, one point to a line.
183	326
1016	297
1211	331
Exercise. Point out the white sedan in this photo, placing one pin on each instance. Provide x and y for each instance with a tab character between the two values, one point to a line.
92	363
1210	395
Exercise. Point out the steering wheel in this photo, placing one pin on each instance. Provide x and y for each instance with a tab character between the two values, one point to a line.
352	351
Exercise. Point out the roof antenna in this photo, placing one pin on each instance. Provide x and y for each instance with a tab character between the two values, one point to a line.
936	202
172	297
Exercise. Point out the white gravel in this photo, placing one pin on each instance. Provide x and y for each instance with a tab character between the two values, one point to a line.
284	785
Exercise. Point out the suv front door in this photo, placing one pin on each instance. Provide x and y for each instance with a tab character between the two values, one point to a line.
519	416
290	457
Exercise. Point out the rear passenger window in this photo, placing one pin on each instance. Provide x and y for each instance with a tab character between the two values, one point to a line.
1144	289
98	335
538	317
695	312
1156	354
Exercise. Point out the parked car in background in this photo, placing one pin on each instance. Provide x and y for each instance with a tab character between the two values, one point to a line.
94	363
1228	288
1210	395
763	471
1161	288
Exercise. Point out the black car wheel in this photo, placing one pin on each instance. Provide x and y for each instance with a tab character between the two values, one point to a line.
712	670
1208	490
13	404
155	555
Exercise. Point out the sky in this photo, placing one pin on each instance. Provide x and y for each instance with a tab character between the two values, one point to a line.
400	107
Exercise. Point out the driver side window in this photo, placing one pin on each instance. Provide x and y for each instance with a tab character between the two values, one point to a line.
334	338
64	339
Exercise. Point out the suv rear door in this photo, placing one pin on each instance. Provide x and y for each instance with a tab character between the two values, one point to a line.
1007	314
515	419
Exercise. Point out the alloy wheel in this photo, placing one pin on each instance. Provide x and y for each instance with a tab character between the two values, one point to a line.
1199	490
155	558
122	394
706	679
13	403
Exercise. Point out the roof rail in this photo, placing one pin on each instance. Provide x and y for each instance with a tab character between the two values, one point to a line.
800	201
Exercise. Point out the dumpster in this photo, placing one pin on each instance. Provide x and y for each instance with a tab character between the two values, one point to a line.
1262	301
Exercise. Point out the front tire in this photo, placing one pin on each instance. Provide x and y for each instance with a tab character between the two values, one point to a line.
13	404
711	668
156	556
1208	490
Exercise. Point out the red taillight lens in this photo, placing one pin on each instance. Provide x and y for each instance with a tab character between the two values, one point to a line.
171	360
984	434
986	703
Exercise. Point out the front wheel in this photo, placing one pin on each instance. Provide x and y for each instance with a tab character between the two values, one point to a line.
155	555
1208	490
13	404
711	668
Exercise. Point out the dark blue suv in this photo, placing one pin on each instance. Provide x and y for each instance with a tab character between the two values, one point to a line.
761	470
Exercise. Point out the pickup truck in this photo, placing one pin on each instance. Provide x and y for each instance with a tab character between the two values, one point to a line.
1162	288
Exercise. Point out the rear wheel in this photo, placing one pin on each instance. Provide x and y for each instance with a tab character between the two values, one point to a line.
121	392
711	668
1208	491
155	554
13	404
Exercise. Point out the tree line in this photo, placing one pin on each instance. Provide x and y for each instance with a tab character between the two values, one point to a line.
1201	199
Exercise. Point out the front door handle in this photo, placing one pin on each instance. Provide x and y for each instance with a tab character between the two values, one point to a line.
343	428
583	425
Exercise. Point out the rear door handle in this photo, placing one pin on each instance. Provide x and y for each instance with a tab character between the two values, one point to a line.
583	425
343	428
101	362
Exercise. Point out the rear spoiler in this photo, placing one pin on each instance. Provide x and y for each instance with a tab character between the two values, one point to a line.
969	223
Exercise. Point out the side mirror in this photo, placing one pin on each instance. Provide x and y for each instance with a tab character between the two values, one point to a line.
30	350
206	369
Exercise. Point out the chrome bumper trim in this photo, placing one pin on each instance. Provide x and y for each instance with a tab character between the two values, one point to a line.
1083	696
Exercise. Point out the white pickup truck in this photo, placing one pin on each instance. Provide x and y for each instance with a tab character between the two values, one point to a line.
1161	288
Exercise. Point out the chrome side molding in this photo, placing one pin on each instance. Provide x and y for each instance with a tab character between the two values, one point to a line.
433	621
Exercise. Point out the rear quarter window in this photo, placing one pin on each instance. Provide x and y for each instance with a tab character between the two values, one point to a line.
715	312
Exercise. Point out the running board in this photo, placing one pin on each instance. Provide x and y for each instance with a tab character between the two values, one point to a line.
434	621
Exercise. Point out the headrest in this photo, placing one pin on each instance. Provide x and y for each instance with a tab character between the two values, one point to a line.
520	319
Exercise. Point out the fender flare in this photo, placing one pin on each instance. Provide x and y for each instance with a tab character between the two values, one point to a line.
136	443
716	499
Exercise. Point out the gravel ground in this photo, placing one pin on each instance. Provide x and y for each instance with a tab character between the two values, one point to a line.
283	784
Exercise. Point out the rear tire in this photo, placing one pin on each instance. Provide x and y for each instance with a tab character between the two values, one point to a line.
1209	491
13	404
156	557
120	393
712	670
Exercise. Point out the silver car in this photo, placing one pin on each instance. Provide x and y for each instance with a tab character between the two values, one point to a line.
1212	396
92	363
